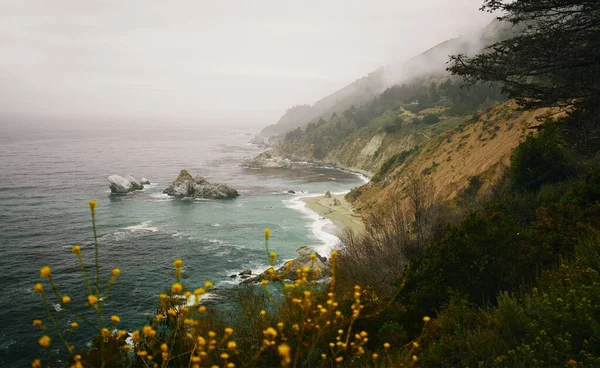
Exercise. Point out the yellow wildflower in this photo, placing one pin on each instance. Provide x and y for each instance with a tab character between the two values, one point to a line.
74	325
267	233
375	356
176	288
45	271
105	332
76	249
92	203
386	345
415	345
284	353
37	322
36	363
127	348
415	358
208	284
426	319
121	334
116	272
164	347
228	331
92	299
263	313
230	365
44	341
224	356
38	288
66	299
202	309
339	359
115	319
272	257
201	341
270	332
177	263
231	345
199	291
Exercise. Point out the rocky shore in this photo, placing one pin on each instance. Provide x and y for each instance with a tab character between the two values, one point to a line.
318	266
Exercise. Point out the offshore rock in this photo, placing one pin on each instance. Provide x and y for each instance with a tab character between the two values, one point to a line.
144	181
134	183
187	186
123	185
266	160
289	271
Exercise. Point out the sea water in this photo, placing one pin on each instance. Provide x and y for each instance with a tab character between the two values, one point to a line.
47	178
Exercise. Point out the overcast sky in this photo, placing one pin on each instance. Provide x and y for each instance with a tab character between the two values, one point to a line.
199	60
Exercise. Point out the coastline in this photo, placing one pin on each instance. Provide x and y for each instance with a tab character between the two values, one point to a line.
337	210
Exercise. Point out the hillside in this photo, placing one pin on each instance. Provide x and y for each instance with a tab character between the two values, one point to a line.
363	90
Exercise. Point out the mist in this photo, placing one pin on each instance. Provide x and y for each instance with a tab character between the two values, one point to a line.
111	63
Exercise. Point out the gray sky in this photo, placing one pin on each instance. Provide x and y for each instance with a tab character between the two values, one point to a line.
198	60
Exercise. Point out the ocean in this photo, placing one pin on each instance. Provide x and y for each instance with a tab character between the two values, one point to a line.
47	178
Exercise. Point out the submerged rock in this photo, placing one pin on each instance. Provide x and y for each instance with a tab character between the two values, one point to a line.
187	186
319	268
123	185
266	160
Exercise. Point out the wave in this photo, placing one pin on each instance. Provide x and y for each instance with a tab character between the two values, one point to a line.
160	196
321	228
143	227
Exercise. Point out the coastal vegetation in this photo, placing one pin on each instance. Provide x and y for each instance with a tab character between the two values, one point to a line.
502	272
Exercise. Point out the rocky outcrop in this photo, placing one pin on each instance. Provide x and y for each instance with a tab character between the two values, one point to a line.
187	186
260	141
123	185
327	194
144	181
319	268
266	160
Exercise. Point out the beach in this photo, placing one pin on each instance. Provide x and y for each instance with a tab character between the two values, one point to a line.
338	210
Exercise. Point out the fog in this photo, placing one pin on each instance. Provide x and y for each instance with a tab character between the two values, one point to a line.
115	62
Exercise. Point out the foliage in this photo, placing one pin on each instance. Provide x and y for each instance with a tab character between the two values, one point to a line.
540	160
552	61
390	164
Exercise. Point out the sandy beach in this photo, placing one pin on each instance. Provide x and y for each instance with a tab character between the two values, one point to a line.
338	210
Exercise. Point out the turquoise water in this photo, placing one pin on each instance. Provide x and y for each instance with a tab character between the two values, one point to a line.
45	184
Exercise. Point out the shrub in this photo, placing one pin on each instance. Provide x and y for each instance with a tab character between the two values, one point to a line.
540	160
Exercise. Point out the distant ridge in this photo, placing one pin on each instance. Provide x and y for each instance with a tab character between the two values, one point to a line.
428	64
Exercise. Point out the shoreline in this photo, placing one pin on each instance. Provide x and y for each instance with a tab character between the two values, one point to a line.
337	210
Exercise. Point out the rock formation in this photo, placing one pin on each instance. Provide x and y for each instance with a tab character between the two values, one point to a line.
187	186
327	194
144	181
266	160
289	270
123	185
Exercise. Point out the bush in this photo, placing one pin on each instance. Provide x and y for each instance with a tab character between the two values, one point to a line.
431	119
540	160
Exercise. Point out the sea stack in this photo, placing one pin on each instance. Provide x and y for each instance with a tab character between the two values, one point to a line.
197	187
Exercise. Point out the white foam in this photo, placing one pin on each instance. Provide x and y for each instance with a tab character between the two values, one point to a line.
321	228
216	224
143	227
161	196
191	301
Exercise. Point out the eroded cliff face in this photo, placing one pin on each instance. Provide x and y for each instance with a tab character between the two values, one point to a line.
478	147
